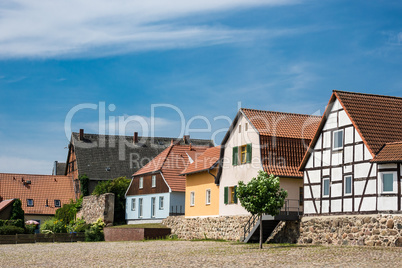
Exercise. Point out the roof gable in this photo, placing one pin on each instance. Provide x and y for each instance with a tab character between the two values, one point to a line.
205	161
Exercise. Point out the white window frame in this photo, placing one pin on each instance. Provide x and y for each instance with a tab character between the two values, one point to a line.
394	182
141	183
333	139
351	185
133	204
192	199
323	187
161	202
208	196
140	208
153	181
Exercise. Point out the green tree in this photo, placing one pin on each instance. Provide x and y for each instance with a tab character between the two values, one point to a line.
17	213
84	185
118	187
262	195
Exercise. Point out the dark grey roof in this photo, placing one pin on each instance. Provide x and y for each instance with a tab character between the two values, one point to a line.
105	157
59	168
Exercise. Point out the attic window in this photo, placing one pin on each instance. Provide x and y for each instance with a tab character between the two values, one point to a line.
239	128
141	183
57	203
30	203
337	140
246	127
107	168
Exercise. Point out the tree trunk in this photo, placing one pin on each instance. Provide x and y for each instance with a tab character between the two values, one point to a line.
261	231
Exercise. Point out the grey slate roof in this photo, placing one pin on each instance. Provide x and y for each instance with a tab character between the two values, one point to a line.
60	169
105	157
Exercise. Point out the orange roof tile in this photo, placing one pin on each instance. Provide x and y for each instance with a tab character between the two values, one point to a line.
171	162
286	125
40	189
391	153
204	161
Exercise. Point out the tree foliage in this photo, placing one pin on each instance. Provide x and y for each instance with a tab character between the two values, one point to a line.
68	212
84	185
17	213
118	187
262	195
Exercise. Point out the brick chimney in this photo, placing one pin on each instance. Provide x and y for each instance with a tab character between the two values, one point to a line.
186	139
135	139
81	134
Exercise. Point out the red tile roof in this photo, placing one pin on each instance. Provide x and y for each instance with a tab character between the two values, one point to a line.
376	118
284	139
40	189
391	153
204	161
171	162
5	203
286	125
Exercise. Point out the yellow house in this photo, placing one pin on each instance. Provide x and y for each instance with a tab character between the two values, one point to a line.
202	194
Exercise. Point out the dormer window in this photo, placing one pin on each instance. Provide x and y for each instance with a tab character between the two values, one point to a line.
30	203
57	203
337	142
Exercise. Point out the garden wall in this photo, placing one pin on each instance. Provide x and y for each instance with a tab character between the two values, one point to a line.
95	207
370	230
226	227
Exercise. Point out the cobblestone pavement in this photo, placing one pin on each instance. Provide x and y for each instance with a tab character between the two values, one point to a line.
165	253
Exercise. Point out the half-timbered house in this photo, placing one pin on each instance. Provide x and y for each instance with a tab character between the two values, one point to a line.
353	165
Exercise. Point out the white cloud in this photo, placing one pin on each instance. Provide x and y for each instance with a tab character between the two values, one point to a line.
91	28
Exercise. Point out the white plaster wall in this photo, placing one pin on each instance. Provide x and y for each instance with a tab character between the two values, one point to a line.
332	122
327	139
348	154
325	171
387	203
336	174
358	152
337	158
349	135
231	175
314	176
317	160
357	136
159	213
362	170
384	166
367	154
347	204
316	190
326	158
368	204
309	207
336	189
347	168
325	206
344	119
336	205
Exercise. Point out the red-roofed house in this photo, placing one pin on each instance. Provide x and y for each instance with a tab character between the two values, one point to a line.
157	190
202	194
353	165
41	195
263	140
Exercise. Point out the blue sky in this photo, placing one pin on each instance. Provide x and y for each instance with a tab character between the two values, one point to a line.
203	57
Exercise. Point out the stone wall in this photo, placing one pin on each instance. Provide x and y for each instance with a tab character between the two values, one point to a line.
95	207
226	227
370	230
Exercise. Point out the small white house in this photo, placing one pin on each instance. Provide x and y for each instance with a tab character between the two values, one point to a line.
353	165
263	140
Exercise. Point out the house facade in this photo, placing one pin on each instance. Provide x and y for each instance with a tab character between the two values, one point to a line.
353	165
202	194
106	157
158	190
40	195
263	140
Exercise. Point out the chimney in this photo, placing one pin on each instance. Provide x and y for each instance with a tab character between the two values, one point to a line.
186	139
81	134
135	140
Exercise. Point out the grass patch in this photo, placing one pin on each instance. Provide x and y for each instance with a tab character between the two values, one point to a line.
208	239
141	226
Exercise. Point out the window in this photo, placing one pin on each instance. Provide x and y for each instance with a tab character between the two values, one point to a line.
161	202
245	154
230	196
325	187
246	127
57	203
192	199
154	181
141	183
348	185
140	207
337	139
387	182
153	207
239	128
30	203
133	204
301	196
208	196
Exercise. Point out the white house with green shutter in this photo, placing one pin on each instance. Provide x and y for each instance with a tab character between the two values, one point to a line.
263	140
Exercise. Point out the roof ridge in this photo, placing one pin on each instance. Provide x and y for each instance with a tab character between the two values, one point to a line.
267	111
50	175
86	133
366	94
394	142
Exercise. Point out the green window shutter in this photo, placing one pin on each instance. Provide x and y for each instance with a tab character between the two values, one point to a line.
226	197
248	158
235	195
235	156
